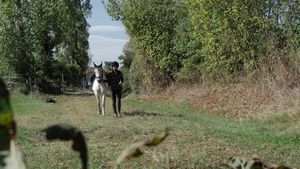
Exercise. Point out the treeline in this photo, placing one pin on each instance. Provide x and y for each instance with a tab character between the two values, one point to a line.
45	39
221	40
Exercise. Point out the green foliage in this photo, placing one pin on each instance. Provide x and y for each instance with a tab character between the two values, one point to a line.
126	58
128	55
229	33
126	84
4	66
135	76
216	39
39	38
16	37
150	24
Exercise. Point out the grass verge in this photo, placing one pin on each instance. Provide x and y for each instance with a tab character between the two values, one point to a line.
196	140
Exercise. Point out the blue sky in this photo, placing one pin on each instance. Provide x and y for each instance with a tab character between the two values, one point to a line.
107	37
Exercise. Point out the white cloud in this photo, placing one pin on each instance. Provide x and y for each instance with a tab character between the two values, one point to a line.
96	38
105	48
107	28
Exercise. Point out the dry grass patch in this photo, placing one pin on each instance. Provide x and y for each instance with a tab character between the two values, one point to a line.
235	101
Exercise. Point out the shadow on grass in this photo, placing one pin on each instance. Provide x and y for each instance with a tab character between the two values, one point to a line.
82	94
177	115
126	92
75	93
141	113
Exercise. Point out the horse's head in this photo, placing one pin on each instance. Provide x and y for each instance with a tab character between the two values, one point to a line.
99	72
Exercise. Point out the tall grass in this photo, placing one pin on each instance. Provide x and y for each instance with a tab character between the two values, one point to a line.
196	140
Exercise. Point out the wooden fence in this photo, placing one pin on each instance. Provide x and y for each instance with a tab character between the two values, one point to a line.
13	82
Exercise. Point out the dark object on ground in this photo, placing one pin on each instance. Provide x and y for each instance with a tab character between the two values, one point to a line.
50	100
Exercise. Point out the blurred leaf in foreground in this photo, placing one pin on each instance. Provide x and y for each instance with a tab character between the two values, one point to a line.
130	152
10	155
67	132
13	158
158	139
253	163
134	150
6	115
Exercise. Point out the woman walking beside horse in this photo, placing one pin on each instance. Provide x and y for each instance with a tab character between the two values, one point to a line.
115	81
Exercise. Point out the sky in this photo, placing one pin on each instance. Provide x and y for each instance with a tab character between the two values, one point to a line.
107	37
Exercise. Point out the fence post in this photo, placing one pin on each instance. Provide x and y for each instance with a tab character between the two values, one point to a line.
34	87
30	85
62	83
10	82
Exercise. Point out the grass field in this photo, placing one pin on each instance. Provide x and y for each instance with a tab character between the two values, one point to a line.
196	140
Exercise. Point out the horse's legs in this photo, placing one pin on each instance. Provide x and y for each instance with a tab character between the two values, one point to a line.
103	104
98	102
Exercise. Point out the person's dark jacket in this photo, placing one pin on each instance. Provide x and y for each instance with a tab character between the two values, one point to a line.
114	80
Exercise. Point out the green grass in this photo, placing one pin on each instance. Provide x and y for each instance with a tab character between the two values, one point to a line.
196	140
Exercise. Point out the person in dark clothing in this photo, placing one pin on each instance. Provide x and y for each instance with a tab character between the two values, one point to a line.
115	80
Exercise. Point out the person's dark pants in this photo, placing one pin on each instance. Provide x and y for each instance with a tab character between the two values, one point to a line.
116	97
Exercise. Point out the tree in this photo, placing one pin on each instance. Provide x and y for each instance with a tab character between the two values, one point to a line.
127	58
222	40
232	38
150	25
4	67
16	37
37	36
75	43
128	55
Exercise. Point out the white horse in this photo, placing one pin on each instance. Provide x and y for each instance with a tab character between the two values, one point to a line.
99	87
